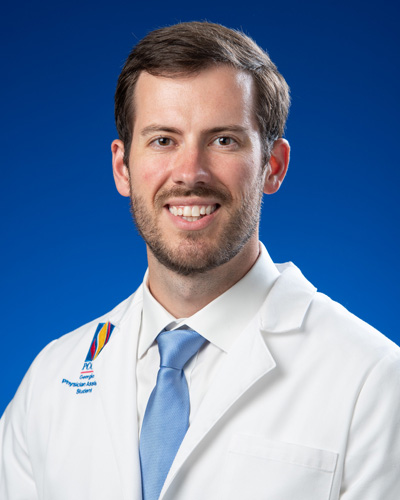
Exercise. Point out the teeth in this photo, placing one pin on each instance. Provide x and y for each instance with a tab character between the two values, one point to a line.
192	212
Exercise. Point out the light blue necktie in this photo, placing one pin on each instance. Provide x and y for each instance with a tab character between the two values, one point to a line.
166	419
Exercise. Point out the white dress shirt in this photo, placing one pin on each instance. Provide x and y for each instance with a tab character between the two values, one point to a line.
220	322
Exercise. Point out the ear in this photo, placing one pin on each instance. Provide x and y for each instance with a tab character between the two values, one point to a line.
120	170
277	166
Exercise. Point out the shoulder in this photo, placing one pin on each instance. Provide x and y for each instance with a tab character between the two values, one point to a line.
73	341
347	334
69	352
329	333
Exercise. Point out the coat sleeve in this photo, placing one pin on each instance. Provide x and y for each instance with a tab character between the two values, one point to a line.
16	474
372	464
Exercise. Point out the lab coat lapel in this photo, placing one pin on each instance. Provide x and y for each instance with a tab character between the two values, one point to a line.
248	361
115	372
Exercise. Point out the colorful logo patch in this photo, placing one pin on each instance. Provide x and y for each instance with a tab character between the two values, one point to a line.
100	339
87	383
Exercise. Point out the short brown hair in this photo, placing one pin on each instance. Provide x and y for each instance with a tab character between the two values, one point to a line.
187	48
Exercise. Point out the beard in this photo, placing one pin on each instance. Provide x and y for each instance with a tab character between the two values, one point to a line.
195	252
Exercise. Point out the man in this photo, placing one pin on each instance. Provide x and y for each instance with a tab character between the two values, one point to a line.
283	395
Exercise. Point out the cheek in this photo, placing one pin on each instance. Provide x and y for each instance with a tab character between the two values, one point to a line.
147	176
245	177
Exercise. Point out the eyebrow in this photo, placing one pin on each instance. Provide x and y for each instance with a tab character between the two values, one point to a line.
159	128
228	128
151	129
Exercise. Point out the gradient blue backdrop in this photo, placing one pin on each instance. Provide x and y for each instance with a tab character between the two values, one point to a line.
69	249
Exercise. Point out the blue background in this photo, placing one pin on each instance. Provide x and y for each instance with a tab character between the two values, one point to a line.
69	249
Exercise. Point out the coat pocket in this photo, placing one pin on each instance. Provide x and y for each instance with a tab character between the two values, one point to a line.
261	469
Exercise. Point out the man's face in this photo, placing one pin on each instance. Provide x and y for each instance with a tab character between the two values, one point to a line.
195	166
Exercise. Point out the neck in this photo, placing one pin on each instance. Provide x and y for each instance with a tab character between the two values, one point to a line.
183	296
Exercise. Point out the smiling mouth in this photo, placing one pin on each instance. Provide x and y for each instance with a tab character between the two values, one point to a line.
192	213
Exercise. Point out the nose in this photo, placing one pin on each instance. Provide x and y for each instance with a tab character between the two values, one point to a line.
191	168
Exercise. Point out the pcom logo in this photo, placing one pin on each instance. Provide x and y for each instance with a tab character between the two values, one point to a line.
87	366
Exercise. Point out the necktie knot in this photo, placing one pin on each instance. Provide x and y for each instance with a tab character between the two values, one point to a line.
176	347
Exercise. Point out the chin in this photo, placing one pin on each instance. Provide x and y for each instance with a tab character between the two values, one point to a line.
194	259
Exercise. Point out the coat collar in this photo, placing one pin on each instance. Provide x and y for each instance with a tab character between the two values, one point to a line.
288	301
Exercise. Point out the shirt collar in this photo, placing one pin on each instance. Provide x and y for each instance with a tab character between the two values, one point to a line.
217	321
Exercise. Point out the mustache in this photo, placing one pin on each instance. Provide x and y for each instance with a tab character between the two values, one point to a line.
220	194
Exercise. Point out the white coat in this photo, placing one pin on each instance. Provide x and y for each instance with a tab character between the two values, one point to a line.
305	407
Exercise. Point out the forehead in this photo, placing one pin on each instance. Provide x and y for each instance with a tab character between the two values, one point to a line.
216	94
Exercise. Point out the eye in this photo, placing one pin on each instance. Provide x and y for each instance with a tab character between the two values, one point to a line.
162	141
224	141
